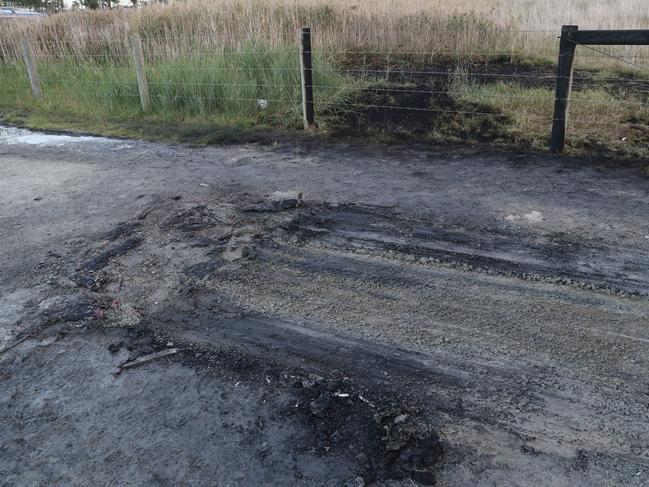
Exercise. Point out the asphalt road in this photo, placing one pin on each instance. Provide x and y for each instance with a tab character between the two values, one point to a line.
422	315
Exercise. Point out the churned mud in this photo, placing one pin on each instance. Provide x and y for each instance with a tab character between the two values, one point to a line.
245	316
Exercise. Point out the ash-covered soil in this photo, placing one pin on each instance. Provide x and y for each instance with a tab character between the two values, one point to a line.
179	316
402	93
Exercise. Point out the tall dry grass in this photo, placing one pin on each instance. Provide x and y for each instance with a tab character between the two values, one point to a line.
464	26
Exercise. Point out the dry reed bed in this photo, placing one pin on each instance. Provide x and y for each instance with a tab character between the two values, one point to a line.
430	26
463	28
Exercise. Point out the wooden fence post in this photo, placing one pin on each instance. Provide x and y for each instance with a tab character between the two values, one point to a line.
138	58
32	71
307	79
567	47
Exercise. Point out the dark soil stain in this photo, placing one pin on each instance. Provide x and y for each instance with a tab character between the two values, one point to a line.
203	269
419	109
383	430
559	259
121	230
394	444
93	281
102	259
71	307
193	219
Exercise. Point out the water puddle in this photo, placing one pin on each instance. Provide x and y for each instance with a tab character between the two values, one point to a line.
14	135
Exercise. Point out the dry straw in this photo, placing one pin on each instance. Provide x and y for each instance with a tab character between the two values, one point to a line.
522	26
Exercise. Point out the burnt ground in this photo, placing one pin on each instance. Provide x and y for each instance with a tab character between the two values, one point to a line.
398	101
418	317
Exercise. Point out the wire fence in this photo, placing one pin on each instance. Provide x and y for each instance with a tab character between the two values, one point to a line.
490	92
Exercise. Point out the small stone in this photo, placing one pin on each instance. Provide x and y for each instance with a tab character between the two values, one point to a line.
320	406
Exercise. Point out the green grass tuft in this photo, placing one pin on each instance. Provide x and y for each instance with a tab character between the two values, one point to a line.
230	88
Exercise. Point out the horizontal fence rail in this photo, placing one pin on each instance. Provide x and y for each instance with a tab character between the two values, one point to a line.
571	37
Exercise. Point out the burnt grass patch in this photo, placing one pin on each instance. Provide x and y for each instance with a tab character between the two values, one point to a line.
406	98
411	98
395	67
527	73
417	110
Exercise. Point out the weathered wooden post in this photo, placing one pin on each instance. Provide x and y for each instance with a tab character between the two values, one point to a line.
32	71
567	46
307	79
138	59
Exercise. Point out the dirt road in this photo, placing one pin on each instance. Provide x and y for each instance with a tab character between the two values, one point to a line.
166	318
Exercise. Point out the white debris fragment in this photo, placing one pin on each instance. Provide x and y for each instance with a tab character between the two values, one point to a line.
531	217
263	104
400	418
370	404
147	358
534	216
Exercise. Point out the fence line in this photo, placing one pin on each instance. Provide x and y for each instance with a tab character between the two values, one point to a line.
424	54
476	74
360	77
549	97
360	105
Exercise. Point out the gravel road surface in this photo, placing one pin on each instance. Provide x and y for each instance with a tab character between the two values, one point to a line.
331	315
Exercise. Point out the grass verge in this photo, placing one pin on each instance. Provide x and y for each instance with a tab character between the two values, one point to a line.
255	94
231	92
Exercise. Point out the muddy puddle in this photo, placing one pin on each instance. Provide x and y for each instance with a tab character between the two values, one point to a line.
14	135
